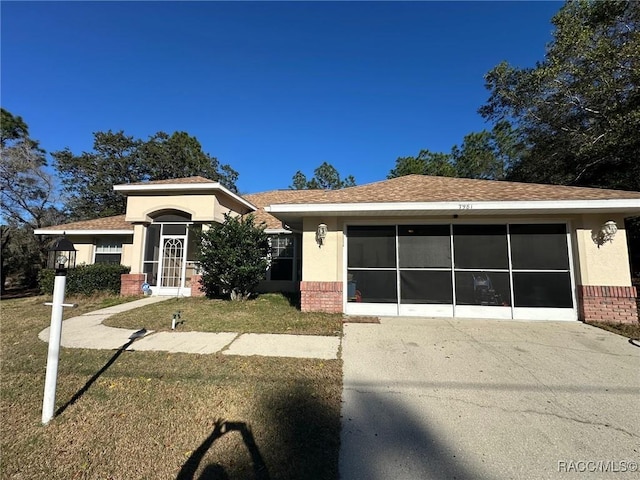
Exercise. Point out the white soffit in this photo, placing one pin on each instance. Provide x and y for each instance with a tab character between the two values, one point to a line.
469	208
173	187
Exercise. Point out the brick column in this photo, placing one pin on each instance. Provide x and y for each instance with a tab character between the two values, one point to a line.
196	287
131	284
321	297
607	304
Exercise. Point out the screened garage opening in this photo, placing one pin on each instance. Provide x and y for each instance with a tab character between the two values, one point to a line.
480	270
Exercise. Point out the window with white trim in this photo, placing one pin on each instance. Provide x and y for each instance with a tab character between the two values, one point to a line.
283	258
108	251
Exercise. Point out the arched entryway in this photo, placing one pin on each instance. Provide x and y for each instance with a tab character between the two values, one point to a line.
169	253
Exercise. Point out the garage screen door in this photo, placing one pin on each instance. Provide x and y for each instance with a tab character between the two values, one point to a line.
495	271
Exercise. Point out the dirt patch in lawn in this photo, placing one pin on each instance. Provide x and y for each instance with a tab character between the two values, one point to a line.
360	319
629	330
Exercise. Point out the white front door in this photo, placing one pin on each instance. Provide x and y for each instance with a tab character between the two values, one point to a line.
171	279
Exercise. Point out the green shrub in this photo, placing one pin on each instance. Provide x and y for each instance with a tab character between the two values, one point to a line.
45	281
86	279
233	257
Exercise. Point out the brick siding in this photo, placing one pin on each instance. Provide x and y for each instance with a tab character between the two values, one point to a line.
196	287
321	297
608	304
131	284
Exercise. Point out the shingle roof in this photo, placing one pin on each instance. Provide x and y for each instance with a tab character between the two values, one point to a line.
116	222
422	188
410	188
263	199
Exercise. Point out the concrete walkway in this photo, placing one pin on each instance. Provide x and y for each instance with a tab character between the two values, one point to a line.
87	331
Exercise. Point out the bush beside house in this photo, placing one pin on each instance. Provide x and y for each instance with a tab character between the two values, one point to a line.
234	257
86	279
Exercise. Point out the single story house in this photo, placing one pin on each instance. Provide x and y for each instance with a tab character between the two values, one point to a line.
410	246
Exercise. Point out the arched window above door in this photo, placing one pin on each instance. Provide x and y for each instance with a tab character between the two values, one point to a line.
170	216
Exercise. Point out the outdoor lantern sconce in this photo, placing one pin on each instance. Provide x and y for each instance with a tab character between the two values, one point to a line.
62	255
321	234
607	233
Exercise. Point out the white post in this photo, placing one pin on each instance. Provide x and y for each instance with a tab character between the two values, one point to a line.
55	332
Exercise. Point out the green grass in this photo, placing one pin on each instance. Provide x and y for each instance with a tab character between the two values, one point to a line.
268	313
153	415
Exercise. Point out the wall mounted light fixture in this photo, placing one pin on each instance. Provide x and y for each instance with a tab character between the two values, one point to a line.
321	234
606	233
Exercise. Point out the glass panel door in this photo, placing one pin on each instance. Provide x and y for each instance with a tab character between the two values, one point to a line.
172	271
168	260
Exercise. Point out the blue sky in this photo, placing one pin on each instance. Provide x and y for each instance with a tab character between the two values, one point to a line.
267	87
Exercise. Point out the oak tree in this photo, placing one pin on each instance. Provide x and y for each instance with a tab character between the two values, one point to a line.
578	110
117	158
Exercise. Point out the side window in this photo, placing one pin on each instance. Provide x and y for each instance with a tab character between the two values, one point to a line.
282	258
108	251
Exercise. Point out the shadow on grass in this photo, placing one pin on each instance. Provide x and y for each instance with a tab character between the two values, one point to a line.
215	471
307	438
299	436
92	380
293	298
14	293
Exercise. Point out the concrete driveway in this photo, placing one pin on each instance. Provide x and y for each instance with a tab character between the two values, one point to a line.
488	399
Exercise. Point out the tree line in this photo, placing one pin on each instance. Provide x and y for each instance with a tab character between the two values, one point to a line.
572	119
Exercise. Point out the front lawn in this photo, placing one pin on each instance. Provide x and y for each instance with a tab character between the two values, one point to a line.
629	330
268	313
155	415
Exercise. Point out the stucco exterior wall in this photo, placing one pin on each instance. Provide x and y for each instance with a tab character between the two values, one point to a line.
222	208
201	207
604	265
85	249
127	254
322	263
224	205
136	249
607	265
